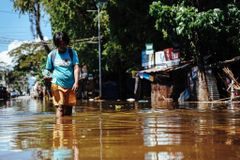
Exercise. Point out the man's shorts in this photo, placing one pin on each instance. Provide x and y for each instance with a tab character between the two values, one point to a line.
63	96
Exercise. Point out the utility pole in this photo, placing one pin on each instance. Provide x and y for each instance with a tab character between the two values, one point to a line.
99	4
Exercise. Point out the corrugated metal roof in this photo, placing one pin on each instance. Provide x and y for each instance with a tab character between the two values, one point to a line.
164	69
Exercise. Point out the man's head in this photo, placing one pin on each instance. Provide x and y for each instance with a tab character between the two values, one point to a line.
61	40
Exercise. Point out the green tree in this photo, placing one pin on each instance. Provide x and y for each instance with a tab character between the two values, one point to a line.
131	27
33	9
78	19
192	26
27	58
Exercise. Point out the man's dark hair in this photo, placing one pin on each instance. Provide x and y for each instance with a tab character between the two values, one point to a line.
60	36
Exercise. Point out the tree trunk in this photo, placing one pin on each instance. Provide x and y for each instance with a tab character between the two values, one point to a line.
202	91
37	15
33	8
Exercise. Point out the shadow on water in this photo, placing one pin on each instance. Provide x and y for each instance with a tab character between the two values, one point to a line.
119	130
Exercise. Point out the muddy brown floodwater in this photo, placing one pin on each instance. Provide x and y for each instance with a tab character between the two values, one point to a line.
119	130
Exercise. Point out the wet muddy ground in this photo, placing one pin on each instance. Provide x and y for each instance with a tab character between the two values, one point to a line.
107	130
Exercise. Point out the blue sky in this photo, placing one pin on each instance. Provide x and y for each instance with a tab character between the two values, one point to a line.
15	27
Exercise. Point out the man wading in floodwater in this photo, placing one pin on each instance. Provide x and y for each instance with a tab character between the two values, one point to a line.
64	64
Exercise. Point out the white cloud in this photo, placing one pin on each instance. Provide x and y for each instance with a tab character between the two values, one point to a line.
5	57
14	44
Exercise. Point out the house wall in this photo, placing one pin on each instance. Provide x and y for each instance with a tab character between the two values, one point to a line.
160	93
168	87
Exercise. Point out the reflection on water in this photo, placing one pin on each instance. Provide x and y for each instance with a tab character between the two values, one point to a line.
164	155
65	139
119	130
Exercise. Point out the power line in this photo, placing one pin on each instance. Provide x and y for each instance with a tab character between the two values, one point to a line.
9	12
91	40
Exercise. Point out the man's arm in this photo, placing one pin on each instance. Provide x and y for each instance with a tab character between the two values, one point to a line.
76	77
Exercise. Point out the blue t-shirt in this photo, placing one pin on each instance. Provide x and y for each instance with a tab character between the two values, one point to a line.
63	73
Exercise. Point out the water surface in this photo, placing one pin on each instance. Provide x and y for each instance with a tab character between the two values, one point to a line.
29	130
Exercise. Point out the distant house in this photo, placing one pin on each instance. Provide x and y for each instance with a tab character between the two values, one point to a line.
172	80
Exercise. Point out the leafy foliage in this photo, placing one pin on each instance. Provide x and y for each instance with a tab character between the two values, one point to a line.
131	27
29	58
34	10
200	28
192	26
78	19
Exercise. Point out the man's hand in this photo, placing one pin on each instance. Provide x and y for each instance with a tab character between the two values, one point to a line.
75	86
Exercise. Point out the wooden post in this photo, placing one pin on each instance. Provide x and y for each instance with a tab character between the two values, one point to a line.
232	91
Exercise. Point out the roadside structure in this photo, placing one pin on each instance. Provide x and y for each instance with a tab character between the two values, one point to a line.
173	79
